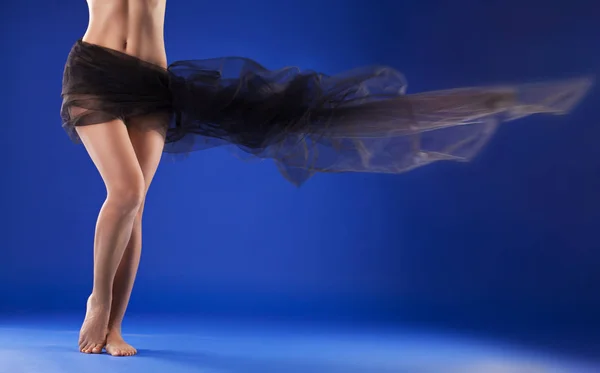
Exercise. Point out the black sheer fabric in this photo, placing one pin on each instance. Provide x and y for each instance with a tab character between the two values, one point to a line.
358	121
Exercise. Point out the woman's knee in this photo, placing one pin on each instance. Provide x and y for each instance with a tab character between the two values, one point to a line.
127	195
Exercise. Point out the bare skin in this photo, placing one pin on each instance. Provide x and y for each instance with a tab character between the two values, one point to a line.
126	156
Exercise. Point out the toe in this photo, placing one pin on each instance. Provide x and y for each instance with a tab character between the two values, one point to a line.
97	348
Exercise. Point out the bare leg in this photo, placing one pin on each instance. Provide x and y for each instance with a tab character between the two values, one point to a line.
147	138
110	148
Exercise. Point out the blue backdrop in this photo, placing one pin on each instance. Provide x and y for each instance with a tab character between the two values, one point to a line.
512	236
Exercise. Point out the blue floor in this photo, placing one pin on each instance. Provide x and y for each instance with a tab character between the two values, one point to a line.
34	345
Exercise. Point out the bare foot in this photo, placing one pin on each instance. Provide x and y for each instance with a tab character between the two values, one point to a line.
116	346
92	336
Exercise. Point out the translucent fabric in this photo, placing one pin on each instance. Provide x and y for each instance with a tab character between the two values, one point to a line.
307	122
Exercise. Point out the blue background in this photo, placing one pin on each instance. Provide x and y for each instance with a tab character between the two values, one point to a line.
509	239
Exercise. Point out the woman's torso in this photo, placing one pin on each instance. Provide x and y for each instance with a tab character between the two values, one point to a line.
135	27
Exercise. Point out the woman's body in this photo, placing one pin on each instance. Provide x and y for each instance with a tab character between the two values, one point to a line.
122	101
127	158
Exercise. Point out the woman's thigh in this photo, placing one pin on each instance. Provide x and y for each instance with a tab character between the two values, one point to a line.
147	135
112	151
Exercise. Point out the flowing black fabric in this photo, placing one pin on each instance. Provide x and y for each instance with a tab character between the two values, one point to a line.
359	121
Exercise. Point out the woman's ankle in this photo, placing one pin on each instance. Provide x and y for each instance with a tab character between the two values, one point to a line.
114	329
96	300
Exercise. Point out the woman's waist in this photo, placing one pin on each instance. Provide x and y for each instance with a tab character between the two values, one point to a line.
143	43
